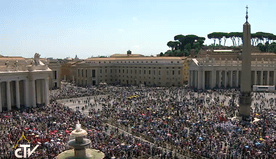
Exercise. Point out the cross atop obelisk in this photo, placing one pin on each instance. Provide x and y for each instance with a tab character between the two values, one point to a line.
246	17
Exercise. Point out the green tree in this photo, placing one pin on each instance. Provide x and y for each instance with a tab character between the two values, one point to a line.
212	36
128	52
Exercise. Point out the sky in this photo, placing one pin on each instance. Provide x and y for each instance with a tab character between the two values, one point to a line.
66	28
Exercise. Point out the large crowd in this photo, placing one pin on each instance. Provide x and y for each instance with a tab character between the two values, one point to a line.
168	121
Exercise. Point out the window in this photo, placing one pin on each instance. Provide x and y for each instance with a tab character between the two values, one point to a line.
100	71
85	73
159	72
151	62
93	73
55	74
167	72
82	72
135	71
130	71
171	61
156	62
177	61
146	61
104	61
178	72
78	72
144	71
123	71
149	72
139	71
105	70
110	70
126	71
153	72
172	72
119	71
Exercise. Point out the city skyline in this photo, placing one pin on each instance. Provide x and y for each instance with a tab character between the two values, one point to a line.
61	29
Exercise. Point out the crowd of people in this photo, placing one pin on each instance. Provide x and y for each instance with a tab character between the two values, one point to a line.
167	121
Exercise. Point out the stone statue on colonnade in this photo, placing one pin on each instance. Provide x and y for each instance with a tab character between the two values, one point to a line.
36	59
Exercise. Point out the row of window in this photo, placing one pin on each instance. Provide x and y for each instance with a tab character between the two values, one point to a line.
132	62
81	73
144	67
140	72
131	82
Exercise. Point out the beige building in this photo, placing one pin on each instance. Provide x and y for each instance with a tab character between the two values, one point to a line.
206	73
23	82
55	79
131	70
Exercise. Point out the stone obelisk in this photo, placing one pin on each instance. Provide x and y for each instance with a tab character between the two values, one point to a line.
245	96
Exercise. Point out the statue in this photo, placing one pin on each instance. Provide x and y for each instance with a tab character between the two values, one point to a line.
36	59
7	63
16	63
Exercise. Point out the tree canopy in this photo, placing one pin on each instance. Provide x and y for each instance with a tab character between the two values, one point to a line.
128	52
182	45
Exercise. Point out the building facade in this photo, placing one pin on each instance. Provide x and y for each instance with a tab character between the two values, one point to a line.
152	71
206	73
23	83
55	76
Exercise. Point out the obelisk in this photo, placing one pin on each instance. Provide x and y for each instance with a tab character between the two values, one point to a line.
245	96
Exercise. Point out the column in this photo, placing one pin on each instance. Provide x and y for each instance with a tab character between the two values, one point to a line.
26	93
238	78
274	81
33	93
225	79
199	79
214	78
8	95
262	76
255	79
267	78
203	81
46	88
219	78
38	91
231	78
196	81
17	94
0	97
190	77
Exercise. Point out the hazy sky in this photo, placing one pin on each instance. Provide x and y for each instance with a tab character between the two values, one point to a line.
65	28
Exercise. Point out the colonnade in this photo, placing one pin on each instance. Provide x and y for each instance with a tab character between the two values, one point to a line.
23	93
208	79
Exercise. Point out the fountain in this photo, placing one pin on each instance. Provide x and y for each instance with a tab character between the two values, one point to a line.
79	143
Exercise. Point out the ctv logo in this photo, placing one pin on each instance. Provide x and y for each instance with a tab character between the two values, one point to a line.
26	150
